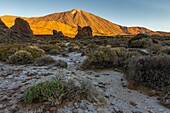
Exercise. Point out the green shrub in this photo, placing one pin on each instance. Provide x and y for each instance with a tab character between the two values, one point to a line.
45	60
35	51
152	71
50	91
141	43
21	57
104	57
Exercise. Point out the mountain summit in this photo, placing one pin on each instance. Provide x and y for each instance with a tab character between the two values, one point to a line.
68	22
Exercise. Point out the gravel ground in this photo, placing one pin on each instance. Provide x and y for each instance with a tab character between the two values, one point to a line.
14	80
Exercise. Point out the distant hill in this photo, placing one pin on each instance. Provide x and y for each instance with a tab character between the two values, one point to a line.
68	21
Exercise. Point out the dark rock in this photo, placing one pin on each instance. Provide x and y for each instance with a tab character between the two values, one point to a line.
133	103
85	32
21	28
58	34
124	84
97	75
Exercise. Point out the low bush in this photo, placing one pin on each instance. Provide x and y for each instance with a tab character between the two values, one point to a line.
21	57
35	51
61	63
154	48
6	50
9	49
152	71
140	43
45	60
50	91
77	88
104	57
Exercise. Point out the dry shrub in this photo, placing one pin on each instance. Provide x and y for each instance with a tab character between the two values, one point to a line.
35	51
21	57
165	51
45	60
154	48
152	71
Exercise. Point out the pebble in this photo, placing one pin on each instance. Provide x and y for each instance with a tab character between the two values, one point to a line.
97	75
53	109
124	84
133	103
2	106
152	93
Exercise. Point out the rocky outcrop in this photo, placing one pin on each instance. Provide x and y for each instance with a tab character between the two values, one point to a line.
3	28
2	25
85	32
21	28
58	34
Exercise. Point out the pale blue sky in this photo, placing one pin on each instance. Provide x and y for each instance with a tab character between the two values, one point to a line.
153	14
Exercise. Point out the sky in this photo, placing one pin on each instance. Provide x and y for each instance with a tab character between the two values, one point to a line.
153	14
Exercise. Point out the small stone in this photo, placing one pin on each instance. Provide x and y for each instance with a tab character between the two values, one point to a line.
4	98
53	109
152	93
97	75
40	110
2	106
46	103
107	95
133	103
137	112
124	84
149	111
47	112
106	74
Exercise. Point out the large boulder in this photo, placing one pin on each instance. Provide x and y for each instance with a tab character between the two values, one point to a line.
58	34
21	28
85	32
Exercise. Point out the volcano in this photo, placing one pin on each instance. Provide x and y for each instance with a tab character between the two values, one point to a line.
68	22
